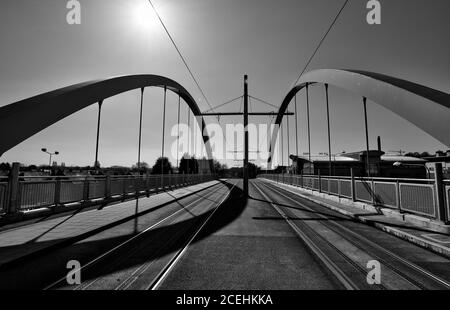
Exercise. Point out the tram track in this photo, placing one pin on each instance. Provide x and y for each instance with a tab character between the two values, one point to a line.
111	259
416	276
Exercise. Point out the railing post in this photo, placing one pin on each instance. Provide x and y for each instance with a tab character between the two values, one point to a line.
86	189
136	185
352	174
57	199
373	194
439	186
124	189
339	187
107	187
14	188
397	192
320	181
147	184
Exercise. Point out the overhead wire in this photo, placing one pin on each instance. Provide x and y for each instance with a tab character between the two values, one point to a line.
321	41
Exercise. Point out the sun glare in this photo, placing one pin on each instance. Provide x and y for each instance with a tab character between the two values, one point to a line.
141	16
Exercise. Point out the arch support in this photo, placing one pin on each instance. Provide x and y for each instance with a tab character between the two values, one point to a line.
426	108
23	119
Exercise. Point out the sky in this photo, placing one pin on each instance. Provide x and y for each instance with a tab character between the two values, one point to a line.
221	40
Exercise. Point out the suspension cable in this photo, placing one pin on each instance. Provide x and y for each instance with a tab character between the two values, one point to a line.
321	41
178	129
296	126
223	104
180	54
265	102
288	148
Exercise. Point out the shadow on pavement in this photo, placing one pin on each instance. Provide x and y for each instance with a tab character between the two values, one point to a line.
149	246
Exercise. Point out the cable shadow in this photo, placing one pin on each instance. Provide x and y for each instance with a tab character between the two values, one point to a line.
50	229
301	209
151	245
277	218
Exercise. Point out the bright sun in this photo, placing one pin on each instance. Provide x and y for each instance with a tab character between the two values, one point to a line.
141	15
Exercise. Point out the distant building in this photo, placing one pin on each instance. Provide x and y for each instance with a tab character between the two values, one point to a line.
440	157
381	165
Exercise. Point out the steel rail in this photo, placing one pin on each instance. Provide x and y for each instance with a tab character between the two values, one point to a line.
142	268
129	240
339	228
329	264
168	268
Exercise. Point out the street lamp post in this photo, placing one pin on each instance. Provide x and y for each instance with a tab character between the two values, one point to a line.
50	154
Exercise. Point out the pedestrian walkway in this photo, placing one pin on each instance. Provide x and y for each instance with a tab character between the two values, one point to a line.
21	241
389	221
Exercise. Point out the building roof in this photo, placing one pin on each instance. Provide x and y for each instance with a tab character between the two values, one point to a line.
343	158
324	158
400	158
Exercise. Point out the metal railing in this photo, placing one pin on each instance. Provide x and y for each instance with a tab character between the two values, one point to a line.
35	192
3	194
417	196
447	192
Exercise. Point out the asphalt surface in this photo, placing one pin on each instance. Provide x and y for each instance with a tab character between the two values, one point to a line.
216	239
46	269
258	250
403	264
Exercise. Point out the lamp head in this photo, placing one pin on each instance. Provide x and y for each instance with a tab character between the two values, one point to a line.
44	150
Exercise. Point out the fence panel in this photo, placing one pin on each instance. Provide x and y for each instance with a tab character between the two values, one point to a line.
334	187
324	185
346	188
141	183
128	185
97	188
71	191
117	186
417	198
36	194
3	199
447	190
315	183
386	193
363	191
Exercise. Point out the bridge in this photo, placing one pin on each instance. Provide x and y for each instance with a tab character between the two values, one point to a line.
366	219
288	229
